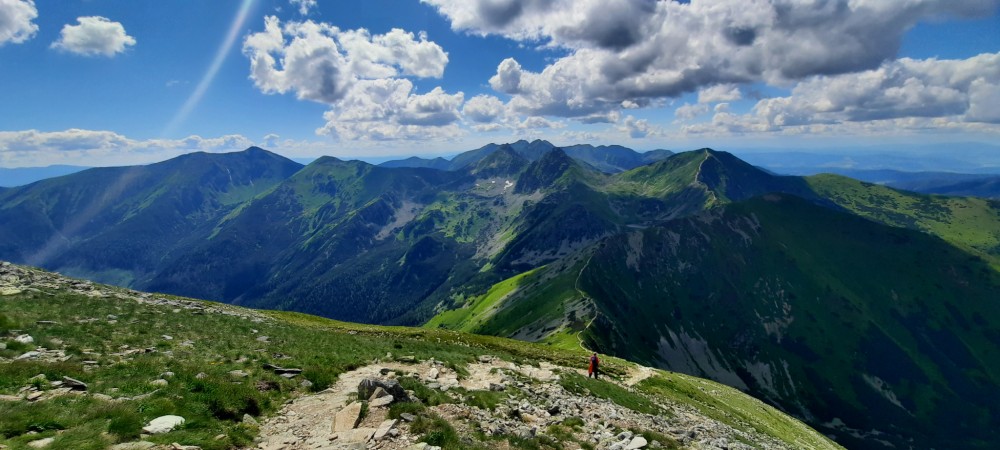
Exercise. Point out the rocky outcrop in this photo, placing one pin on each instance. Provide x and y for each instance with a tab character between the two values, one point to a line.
533	403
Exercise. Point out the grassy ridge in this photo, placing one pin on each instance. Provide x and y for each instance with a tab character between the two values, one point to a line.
201	352
972	224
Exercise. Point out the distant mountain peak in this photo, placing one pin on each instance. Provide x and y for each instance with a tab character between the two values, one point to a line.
545	171
504	161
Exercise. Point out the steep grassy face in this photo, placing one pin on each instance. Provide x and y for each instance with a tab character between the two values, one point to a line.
972	224
689	182
786	300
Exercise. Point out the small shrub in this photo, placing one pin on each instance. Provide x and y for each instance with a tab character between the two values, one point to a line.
484	399
227	401
126	426
429	396
667	442
398	409
436	431
364	410
574	422
6	324
320	377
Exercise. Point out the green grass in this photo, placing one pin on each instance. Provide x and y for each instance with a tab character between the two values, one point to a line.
485	399
479	309
580	385
732	407
972	224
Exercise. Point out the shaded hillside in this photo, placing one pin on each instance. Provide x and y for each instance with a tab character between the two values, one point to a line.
784	299
972	224
117	224
605	158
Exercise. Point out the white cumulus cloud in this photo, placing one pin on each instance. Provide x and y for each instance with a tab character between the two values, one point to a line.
362	77
100	147
897	89
635	52
94	36
905	94
719	93
16	24
304	5
484	109
637	128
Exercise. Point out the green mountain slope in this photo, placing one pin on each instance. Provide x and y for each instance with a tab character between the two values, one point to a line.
116	224
786	300
605	158
972	224
141	356
353	241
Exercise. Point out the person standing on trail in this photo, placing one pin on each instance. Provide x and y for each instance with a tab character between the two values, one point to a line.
594	362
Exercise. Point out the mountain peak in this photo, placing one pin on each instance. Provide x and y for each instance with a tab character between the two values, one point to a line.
504	161
545	171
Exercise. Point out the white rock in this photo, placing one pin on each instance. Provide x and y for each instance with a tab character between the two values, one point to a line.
636	443
163	424
139	445
28	355
40	443
381	401
24	339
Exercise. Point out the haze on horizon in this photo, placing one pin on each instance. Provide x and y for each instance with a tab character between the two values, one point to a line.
128	82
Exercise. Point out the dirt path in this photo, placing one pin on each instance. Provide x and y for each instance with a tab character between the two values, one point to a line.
637	374
307	422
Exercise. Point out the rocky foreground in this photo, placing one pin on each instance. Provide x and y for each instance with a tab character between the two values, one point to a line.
391	402
535	402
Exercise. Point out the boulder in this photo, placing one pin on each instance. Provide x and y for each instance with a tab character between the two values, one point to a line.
379	392
636	443
28	355
41	443
24	339
368	386
163	424
139	445
356	435
348	417
384	428
249	420
74	384
380	402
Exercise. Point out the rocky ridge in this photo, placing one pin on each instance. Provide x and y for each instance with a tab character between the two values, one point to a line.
533	404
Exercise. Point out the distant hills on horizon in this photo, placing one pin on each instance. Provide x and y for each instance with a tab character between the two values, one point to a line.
868	312
974	171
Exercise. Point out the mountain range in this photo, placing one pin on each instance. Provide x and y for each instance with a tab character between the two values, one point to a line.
867	311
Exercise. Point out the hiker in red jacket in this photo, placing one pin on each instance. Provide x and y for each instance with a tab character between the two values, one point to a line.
594	362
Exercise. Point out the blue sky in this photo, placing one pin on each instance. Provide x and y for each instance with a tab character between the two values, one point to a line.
100	82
